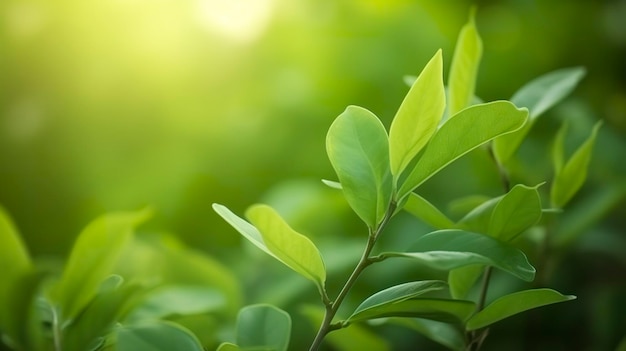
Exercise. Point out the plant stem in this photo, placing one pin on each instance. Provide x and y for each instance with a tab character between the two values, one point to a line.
333	307
56	329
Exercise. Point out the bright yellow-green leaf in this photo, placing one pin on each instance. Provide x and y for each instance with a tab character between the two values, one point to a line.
427	212
571	177
515	303
292	248
418	116
464	68
156	336
469	129
226	346
516	211
16	264
358	149
93	256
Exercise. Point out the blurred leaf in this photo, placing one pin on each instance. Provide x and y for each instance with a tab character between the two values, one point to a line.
398	293
622	345
354	337
445	334
358	149
462	279
449	249
99	316
568	180
558	145
461	206
177	300
427	212
16	265
464	67
449	311
156	336
515	303
469	129
290	247
92	259
418	116
332	184
517	211
226	346
538	96
263	327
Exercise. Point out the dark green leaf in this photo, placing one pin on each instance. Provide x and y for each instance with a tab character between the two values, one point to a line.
461	280
418	116
450	311
450	249
358	148
263	327
515	303
156	336
398	293
445	334
469	129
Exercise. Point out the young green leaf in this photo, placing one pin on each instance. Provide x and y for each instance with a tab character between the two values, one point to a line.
515	303
464	67
444	310
450	249
263	327
92	258
292	248
538	96
170	301
418	116
16	264
358	148
400	292
469	129
442	333
427	212
461	280
571	177
517	211
558	145
156	336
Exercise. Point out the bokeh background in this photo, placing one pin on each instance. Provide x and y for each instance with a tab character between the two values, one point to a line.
111	105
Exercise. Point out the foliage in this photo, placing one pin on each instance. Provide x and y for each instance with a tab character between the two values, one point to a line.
379	173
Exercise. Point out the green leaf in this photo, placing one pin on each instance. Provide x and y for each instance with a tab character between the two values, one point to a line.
156	336
358	149
445	334
450	249
92	258
277	239
356	337
464	67
444	310
101	314
538	96
469	129
169	301
398	293
16	265
263	327
478	219
515	303
571	177
461	206
517	211
294	249
558	145
418	116
461	280
226	346
427	212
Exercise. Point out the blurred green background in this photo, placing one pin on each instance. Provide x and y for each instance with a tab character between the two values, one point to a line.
111	105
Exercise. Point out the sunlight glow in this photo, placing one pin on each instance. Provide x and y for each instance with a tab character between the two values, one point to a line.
241	20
